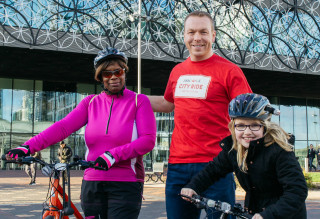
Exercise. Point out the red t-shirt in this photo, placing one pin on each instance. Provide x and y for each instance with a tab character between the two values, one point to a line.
201	92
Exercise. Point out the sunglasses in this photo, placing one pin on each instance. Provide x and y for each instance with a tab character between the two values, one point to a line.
108	74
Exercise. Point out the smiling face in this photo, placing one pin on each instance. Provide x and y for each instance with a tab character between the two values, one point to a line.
198	37
246	136
114	84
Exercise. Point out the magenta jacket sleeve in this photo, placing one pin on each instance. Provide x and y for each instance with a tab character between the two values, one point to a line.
61	129
146	127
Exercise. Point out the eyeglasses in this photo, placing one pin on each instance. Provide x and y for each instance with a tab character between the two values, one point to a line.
254	127
108	74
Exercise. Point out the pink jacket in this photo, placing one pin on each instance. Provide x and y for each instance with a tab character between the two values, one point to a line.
116	124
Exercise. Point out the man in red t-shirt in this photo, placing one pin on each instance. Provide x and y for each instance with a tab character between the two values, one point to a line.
199	91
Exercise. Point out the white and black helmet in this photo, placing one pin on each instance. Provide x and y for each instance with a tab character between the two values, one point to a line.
251	105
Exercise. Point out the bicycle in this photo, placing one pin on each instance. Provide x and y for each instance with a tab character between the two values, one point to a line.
224	207
53	208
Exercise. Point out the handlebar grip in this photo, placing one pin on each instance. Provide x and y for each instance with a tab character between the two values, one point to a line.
4	158
89	164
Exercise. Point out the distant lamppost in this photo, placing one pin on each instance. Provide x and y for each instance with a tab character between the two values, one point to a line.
132	18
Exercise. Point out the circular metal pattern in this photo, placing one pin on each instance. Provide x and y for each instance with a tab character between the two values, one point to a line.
267	34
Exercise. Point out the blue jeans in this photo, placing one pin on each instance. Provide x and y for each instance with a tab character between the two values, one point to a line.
311	165
178	176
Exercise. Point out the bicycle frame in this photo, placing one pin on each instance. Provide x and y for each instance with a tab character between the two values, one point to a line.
56	208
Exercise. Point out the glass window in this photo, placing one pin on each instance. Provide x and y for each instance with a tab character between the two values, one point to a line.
18	139
85	89
4	145
300	122
5	104
22	106
65	103
286	118
301	151
49	154
313	110
80	146
43	108
98	88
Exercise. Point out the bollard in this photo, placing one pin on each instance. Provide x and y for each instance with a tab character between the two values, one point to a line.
306	165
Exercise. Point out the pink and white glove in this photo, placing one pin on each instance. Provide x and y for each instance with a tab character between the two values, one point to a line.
21	151
105	160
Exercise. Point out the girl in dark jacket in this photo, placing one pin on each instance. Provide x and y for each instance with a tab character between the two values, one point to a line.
259	153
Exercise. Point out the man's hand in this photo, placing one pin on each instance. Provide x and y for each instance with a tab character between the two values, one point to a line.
21	151
187	192
105	160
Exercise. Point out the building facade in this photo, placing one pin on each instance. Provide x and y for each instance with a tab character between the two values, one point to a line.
47	49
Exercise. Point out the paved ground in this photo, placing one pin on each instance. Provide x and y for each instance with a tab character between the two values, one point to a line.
19	200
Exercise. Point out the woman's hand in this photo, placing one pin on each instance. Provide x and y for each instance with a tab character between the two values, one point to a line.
257	216
187	192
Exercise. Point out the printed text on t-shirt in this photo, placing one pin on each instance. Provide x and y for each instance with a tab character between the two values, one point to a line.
192	86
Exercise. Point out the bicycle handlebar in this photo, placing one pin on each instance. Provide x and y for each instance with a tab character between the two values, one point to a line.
28	160
224	207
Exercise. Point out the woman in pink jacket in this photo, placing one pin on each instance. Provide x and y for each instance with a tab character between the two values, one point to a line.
120	129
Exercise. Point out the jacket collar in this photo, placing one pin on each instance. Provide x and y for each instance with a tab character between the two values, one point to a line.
255	146
226	143
118	95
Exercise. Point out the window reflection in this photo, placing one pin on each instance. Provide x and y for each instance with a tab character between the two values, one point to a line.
5	104
43	108
313	110
300	123
301	151
65	103
22	106
165	124
286	118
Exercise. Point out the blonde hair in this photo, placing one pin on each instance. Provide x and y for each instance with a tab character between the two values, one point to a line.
273	133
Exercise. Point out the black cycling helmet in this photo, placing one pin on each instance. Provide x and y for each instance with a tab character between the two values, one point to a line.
251	105
109	53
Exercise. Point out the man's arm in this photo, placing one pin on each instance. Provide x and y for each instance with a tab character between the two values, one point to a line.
159	104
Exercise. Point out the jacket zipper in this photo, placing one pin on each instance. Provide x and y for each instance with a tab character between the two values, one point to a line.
109	116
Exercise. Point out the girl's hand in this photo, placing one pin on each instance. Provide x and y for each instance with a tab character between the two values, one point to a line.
187	192
257	216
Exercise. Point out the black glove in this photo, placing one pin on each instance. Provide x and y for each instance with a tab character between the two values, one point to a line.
105	160
21	151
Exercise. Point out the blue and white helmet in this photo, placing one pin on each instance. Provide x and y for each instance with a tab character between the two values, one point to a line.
108	53
251	105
